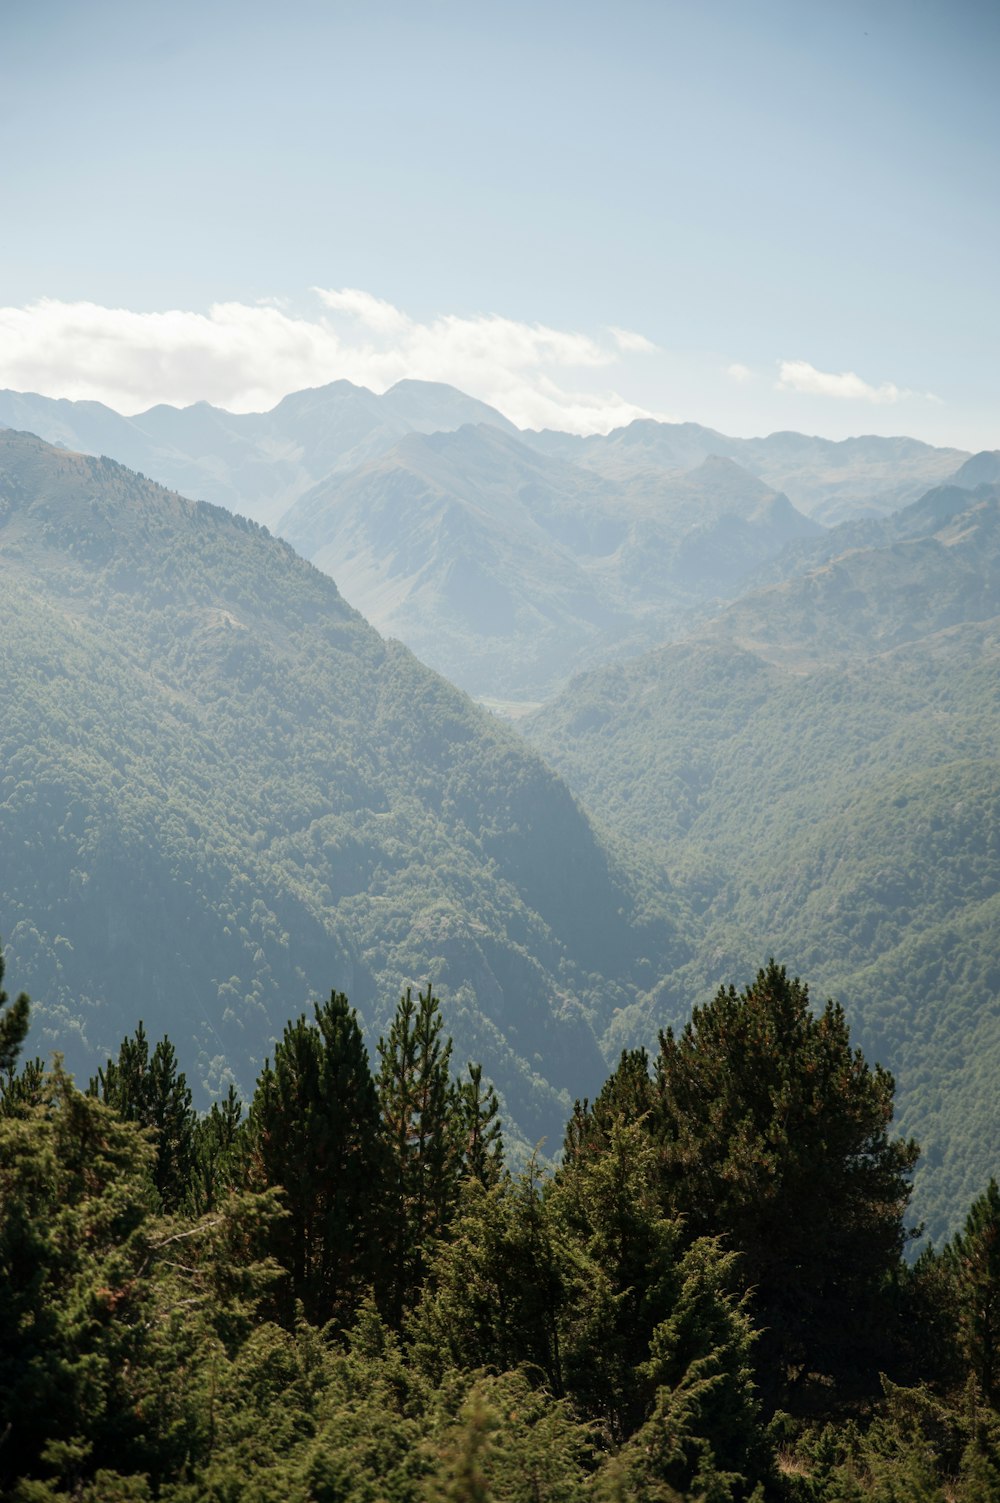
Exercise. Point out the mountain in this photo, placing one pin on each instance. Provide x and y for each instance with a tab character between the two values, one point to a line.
508	560
869	587
827	480
981	469
507	569
818	769
224	794
255	463
473	550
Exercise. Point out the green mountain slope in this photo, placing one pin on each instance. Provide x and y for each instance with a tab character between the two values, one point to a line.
222	793
819	771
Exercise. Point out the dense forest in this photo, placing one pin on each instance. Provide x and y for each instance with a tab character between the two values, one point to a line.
341	1290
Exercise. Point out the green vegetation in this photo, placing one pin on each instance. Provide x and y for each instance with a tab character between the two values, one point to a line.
817	773
221	788
706	1303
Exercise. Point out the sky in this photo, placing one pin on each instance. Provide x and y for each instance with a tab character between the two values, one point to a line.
756	216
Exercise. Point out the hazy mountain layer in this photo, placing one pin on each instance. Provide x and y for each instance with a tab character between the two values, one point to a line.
828	480
508	561
507	569
254	463
820	770
223	794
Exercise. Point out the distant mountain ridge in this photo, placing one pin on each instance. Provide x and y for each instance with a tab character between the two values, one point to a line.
507	569
253	463
509	560
226	457
830	480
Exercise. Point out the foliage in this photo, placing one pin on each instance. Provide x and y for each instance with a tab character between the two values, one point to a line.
551	1337
314	1132
147	1089
775	1132
974	1259
13	1027
817	773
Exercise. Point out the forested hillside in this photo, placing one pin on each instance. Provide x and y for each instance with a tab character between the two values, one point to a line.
220	783
819	769
222	791
338	1291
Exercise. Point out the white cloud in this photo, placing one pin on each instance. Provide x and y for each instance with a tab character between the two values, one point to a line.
631	342
374	312
247	357
739	373
799	375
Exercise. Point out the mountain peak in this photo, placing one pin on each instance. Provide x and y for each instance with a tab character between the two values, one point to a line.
982	469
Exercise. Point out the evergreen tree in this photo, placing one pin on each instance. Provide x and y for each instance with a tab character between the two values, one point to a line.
218	1156
974	1258
775	1134
608	1201
74	1207
422	1114
483	1133
314	1131
499	1289
706	1424
626	1096
149	1089
13	1026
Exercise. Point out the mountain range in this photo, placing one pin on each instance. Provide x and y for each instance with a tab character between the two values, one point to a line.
223	792
255	463
506	560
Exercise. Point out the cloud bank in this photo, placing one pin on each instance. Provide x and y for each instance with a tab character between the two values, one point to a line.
799	375
247	357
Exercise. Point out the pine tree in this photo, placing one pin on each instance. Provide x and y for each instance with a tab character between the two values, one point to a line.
219	1141
422	1114
608	1202
498	1289
627	1095
13	1026
775	1134
483	1133
149	1089
314	1131
974	1257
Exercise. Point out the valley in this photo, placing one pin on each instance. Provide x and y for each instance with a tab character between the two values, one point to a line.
228	793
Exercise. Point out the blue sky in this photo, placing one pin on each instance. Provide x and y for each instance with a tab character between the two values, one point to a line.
788	212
